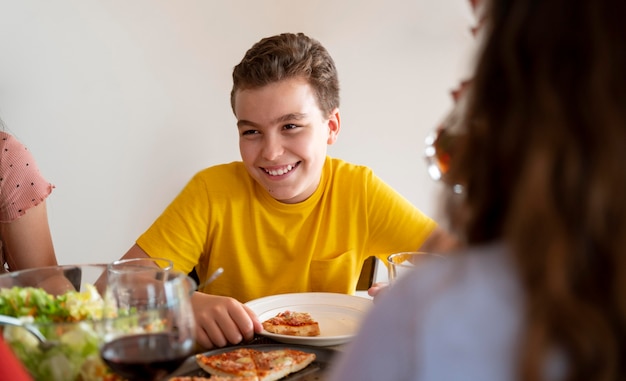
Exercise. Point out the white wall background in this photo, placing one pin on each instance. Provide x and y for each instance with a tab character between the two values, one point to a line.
122	101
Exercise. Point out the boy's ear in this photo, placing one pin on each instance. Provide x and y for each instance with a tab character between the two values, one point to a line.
334	125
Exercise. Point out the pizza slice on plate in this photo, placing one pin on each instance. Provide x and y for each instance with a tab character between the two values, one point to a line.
292	323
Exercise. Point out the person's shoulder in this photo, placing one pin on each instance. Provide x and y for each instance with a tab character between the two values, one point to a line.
17	160
234	168
227	174
5	136
344	167
474	273
8	141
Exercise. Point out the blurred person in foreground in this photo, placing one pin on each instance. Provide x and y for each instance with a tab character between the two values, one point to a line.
10	366
539	293
287	218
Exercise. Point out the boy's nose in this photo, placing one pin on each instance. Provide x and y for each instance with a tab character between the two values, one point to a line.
273	148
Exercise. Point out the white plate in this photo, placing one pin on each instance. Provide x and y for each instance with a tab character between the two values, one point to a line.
339	315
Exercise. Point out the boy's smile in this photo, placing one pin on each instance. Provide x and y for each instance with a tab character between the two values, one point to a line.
283	137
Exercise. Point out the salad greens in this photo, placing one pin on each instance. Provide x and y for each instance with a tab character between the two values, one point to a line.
78	320
28	301
46	308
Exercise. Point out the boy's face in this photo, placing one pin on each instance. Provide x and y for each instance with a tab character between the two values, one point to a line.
283	137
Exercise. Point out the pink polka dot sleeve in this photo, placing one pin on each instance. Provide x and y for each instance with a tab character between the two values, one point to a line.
21	184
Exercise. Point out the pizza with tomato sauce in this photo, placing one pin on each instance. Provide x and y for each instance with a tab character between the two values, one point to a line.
247	364
292	323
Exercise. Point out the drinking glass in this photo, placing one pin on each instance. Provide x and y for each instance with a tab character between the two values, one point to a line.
442	143
399	264
158	331
128	263
438	152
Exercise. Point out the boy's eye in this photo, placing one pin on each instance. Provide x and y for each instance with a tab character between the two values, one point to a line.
289	126
249	132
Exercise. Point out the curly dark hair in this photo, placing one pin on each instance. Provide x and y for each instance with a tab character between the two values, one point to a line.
544	169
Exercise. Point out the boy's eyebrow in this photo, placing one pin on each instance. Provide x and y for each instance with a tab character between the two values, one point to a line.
280	119
291	116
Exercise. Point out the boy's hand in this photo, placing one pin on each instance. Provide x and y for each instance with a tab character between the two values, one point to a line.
377	289
222	320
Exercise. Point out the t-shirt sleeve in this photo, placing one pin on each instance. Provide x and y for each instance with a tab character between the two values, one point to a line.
393	218
179	233
22	186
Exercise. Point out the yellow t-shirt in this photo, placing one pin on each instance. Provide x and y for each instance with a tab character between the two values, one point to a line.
223	218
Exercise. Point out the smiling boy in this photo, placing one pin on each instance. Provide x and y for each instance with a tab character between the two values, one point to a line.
287	218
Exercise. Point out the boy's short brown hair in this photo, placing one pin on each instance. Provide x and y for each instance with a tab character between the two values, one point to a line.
285	56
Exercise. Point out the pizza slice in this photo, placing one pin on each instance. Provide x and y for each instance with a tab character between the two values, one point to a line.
246	364
293	324
235	363
276	364
213	378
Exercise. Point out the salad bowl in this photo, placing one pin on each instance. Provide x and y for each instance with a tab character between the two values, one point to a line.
68	304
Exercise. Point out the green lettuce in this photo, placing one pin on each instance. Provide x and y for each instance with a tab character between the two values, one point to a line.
75	320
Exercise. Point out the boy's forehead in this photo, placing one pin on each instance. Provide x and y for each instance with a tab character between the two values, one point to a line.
292	83
276	100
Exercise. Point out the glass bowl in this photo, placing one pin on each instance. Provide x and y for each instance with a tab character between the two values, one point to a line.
72	314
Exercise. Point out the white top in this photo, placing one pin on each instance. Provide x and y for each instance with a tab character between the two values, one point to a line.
452	320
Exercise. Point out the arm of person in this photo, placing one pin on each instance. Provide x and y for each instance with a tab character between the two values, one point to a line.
27	242
220	320
439	241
